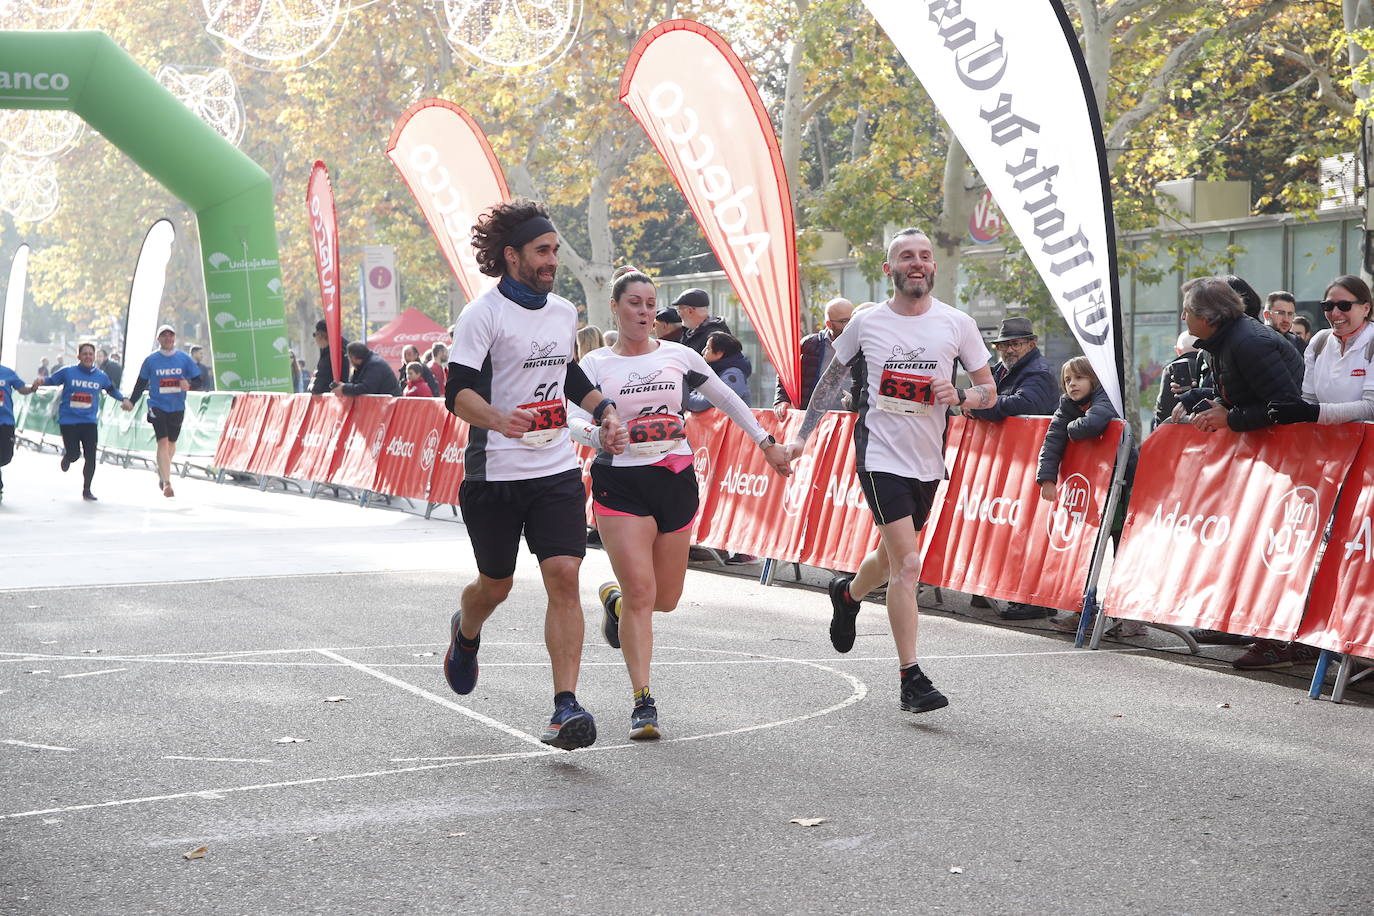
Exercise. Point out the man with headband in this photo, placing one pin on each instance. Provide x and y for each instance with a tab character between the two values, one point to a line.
511	368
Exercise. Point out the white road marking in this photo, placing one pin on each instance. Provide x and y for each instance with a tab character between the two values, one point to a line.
91	673
221	759
442	701
40	747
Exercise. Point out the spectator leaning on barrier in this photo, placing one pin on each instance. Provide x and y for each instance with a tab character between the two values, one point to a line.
324	372
416	386
816	352
1251	364
1025	386
667	326
1280	313
371	374
694	306
1178	376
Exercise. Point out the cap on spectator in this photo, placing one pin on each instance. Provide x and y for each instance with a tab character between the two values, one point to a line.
668	316
694	298
165	327
1014	329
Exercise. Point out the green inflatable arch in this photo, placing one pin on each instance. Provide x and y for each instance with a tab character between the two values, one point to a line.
87	73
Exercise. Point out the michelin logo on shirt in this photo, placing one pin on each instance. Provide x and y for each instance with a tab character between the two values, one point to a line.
541	354
642	384
902	358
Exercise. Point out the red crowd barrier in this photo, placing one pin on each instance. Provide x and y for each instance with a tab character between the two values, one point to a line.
1223	532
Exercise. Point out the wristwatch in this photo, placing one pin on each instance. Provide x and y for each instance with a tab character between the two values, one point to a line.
767	442
600	409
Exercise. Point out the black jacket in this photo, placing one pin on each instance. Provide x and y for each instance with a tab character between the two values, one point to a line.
324	373
816	352
1026	389
373	377
1252	365
1190	362
697	339
1077	422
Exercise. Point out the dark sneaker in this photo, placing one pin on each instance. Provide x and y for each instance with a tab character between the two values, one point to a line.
919	695
88	496
66	463
1265	654
570	728
1218	638
460	664
609	593
1015	610
845	609
644	721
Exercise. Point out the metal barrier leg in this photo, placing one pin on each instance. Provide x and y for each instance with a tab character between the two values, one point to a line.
429	509
1086	618
1319	675
1342	678
766	577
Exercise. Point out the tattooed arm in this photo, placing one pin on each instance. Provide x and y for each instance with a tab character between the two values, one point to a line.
825	396
982	394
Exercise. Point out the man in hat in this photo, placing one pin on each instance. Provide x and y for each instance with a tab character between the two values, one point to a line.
166	374
816	351
694	306
667	325
1025	386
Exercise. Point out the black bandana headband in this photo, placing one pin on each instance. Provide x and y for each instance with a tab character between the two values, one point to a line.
528	231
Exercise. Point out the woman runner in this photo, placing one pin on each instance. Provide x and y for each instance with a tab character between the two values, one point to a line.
646	498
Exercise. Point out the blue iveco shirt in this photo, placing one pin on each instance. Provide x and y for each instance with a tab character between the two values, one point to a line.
81	389
163	374
9	380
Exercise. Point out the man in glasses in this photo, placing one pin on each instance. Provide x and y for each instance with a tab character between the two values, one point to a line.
1025	386
1280	313
816	351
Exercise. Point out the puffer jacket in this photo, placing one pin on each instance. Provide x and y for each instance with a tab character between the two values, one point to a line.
697	339
1252	365
1076	421
373	377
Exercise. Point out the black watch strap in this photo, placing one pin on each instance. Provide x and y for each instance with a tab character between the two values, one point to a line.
600	409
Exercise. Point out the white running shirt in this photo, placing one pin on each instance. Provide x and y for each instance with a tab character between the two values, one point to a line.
900	429
522	356
1342	383
648	391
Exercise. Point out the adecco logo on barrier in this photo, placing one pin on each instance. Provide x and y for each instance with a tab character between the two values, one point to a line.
1290	529
742	484
401	447
799	487
838	494
453	454
378	439
1207	530
1363	543
430	450
996	510
1070	513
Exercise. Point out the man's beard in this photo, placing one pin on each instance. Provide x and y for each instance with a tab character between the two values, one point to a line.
914	288
531	278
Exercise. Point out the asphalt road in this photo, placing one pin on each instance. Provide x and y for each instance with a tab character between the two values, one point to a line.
155	653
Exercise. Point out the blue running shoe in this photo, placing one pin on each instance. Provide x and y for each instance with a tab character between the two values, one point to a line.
570	728
460	663
644	721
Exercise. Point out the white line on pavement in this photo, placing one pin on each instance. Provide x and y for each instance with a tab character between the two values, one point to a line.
222	759
91	673
39	747
435	698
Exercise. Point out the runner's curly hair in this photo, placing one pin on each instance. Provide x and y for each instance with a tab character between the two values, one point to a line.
494	226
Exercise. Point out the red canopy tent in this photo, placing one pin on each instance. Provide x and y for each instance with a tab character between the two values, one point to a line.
410	327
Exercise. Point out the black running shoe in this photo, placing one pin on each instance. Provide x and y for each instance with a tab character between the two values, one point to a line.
609	593
644	721
460	664
570	728
919	695
88	496
66	463
845	610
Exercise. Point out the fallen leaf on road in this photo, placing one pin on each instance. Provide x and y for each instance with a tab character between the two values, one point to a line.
197	853
807	821
39	671
336	699
90	651
452	835
1117	715
1223	706
424	655
956	869
287	739
311	839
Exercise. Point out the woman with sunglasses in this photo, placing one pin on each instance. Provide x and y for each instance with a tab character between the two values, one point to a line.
1338	384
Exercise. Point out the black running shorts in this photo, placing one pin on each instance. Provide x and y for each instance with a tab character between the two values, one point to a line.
166	424
892	497
649	491
550	511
